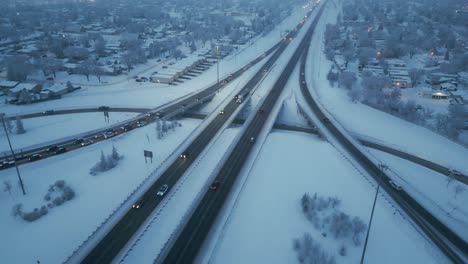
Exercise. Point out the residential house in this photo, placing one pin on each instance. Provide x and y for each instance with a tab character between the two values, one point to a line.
7	85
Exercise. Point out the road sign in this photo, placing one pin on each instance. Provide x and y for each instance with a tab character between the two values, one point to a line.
148	154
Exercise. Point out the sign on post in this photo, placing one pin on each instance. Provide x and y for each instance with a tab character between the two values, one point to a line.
148	154
106	116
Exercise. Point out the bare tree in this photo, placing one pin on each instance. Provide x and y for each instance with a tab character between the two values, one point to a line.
7	186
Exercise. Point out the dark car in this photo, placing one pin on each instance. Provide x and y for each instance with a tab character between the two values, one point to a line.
141	123
61	150
35	157
79	141
214	186
127	127
160	114
86	142
184	155
261	111
52	148
139	204
326	120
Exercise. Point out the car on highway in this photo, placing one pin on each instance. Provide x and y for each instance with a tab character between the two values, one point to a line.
52	148
61	150
34	157
455	172
109	134
78	141
160	114
163	190
252	140
139	204
221	112
86	142
48	112
261	111
7	164
184	155
141	123
326	120
126	127
394	185
214	186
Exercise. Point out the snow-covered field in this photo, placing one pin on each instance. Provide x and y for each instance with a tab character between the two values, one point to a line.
267	215
372	124
53	238
48	128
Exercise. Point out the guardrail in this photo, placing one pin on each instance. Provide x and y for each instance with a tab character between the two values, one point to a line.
171	240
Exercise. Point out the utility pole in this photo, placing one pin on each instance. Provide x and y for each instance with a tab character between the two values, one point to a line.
2	115
382	167
217	64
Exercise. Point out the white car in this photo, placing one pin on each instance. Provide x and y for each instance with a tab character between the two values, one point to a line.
455	172
163	190
395	186
109	134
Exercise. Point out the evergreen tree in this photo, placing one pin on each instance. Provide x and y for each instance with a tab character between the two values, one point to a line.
19	126
115	155
103	164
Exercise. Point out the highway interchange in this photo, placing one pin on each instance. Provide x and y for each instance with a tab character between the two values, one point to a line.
186	245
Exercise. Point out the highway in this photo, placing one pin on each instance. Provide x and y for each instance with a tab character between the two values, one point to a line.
106	250
447	240
186	246
147	116
370	144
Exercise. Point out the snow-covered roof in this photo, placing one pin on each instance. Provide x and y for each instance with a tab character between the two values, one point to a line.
22	86
56	88
8	84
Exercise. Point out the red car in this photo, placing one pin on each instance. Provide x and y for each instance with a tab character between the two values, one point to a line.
214	185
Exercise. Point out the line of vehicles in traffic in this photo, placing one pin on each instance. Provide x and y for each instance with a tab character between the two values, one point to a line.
80	142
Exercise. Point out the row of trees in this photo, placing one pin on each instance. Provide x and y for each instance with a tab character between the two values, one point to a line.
17	127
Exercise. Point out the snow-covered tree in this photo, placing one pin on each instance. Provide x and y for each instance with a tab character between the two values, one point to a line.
19	126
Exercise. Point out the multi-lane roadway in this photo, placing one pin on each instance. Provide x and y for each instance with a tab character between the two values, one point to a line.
188	242
446	239
118	236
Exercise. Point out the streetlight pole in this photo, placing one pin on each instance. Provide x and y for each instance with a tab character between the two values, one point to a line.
381	167
2	115
217	64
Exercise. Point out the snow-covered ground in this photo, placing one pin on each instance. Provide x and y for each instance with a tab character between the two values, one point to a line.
146	94
372	124
48	128
431	189
166	219
106	191
267	215
53	238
